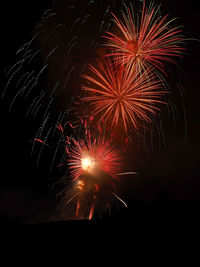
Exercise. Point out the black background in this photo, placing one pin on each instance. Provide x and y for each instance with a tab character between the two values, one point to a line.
168	185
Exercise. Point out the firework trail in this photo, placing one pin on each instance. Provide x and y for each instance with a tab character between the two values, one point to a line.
47	68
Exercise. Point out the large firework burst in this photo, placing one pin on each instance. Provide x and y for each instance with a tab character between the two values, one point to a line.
122	95
146	40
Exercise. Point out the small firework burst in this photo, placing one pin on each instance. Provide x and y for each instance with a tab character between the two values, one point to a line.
122	95
94	166
92	158
146	41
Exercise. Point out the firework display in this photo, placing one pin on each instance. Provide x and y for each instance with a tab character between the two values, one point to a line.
118	80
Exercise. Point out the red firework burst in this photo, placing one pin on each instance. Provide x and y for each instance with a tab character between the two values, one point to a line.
95	166
122	95
92	158
145	42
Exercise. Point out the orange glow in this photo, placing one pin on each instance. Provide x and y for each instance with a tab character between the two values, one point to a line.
80	185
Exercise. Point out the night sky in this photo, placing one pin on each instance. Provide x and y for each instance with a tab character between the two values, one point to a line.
168	180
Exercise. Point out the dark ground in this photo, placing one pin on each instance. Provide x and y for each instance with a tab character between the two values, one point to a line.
168	187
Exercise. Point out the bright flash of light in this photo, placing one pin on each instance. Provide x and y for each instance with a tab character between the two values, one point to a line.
122	95
146	40
93	157
87	164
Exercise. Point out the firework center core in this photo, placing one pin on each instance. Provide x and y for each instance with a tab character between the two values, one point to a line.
88	164
133	47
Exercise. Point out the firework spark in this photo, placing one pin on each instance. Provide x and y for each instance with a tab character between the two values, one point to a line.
146	41
122	95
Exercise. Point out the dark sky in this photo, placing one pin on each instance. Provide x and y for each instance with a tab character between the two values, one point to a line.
169	178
